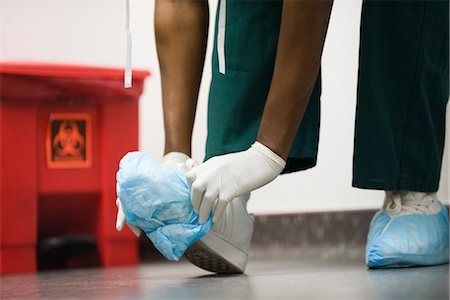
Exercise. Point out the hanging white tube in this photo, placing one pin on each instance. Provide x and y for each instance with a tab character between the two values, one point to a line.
221	36
128	67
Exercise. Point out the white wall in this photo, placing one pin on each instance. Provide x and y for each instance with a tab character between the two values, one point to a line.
92	32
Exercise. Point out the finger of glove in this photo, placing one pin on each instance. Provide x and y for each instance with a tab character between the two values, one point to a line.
197	191
189	165
137	232
219	210
120	221
209	198
191	176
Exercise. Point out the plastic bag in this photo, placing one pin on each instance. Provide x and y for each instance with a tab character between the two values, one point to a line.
408	240
157	200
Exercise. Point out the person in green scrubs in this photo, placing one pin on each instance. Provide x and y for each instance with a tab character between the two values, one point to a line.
264	101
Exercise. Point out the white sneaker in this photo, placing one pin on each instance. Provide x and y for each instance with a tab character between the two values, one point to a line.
407	203
224	249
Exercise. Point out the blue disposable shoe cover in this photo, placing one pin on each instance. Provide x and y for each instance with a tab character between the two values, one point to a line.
408	240
157	200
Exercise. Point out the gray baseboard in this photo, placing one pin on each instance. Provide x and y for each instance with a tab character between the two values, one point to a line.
340	234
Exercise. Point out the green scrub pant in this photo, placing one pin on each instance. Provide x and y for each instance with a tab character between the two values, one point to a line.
402	90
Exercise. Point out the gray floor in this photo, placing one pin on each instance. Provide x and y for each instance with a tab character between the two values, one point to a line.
265	279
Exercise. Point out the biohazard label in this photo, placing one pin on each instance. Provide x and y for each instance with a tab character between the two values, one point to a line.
69	141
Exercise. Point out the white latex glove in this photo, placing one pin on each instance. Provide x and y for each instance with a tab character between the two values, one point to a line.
121	220
219	180
172	161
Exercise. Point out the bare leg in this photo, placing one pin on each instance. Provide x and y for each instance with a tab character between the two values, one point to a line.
181	29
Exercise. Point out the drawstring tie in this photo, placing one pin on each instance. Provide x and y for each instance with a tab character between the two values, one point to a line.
221	36
128	68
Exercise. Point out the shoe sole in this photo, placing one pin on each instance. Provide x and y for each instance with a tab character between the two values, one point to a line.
216	254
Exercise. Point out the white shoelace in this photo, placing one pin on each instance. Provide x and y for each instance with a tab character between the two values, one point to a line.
406	203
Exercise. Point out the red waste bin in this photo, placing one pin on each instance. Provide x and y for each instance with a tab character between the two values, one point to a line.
63	130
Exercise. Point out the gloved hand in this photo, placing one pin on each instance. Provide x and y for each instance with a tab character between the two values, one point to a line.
173	161
219	180
121	220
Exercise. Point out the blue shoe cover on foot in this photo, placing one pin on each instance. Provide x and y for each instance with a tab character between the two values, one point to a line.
157	200
408	240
